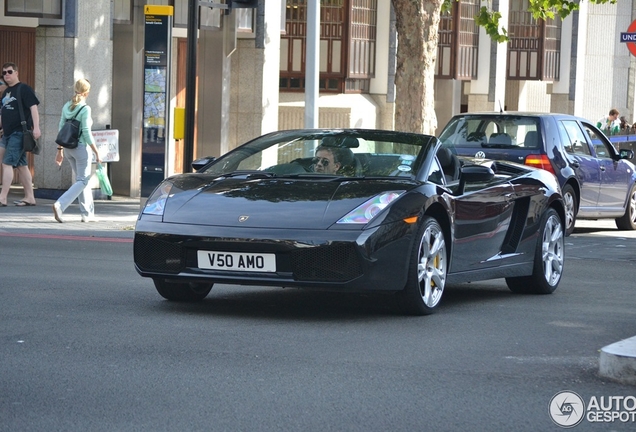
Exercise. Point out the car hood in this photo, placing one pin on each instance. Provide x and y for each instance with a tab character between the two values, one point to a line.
271	203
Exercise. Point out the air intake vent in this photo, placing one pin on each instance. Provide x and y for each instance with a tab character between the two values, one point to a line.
155	255
332	263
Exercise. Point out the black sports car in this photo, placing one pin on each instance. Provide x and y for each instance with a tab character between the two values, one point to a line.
352	210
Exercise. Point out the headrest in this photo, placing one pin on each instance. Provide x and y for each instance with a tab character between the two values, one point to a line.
531	139
445	156
500	138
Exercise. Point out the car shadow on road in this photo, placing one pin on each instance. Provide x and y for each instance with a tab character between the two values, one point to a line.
304	304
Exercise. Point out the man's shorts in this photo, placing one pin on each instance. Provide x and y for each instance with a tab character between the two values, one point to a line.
13	155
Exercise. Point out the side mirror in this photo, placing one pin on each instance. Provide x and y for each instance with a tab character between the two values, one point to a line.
198	164
474	174
626	154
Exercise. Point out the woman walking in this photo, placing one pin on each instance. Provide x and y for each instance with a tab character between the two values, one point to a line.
79	157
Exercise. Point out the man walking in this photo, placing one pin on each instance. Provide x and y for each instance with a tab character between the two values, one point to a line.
10	122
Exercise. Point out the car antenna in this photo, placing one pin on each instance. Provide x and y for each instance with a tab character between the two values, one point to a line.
500	107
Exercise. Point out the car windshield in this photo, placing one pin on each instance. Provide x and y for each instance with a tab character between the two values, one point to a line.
328	153
494	131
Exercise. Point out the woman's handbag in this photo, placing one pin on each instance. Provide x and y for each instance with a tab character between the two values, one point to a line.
68	136
104	183
29	143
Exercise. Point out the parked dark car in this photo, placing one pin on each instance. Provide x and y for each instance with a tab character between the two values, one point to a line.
596	180
400	215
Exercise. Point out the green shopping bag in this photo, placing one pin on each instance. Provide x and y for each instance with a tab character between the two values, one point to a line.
104	183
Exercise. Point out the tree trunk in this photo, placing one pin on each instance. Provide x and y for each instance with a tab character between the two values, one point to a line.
417	23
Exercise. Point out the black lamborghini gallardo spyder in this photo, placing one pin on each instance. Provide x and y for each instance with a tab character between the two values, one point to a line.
352	210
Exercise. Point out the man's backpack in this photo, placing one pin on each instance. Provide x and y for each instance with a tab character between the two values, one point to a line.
68	136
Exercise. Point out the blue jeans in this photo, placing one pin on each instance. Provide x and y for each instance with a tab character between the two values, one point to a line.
79	158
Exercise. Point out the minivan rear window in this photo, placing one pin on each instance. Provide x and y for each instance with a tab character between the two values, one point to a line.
492	131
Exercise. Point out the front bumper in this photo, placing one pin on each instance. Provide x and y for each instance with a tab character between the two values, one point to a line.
341	260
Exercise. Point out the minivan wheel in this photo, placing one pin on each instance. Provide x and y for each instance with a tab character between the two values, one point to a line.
570	201
628	220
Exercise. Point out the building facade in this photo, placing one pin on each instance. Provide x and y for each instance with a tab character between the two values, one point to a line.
251	69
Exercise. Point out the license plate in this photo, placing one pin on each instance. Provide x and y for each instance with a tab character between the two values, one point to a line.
237	261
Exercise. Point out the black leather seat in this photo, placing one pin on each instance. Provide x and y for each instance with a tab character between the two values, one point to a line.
450	164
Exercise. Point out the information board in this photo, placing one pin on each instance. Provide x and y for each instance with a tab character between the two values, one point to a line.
157	44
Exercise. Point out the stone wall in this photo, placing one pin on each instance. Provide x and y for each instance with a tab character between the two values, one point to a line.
80	49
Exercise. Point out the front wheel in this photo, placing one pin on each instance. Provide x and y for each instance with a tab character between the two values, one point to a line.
427	271
628	220
548	259
182	291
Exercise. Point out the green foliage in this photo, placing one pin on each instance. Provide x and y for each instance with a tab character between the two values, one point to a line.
447	6
489	20
541	9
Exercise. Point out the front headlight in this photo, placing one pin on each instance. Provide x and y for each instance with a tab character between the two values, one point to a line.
367	211
156	204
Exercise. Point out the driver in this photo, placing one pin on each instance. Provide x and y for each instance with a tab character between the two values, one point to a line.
333	157
326	160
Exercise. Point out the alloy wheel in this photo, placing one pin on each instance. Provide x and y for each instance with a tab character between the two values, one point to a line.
431	268
552	250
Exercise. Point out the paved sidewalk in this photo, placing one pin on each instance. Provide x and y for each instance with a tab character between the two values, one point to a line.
115	217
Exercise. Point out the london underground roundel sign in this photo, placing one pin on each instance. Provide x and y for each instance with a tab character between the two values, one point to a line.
630	38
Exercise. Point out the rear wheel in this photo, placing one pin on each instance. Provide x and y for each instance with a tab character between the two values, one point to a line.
548	259
427	271
182	291
628	220
570	201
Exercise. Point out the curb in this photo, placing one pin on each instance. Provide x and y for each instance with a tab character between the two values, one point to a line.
116	216
618	361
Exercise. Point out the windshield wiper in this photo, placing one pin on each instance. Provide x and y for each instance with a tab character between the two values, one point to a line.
250	174
311	176
336	177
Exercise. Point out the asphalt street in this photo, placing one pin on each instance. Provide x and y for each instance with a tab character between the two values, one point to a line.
87	344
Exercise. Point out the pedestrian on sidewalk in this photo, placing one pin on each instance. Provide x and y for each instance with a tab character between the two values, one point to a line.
610	124
78	157
12	155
